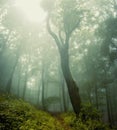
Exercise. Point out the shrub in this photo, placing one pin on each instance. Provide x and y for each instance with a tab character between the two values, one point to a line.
89	119
18	115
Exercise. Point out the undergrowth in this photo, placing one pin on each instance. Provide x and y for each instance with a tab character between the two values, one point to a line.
18	115
15	114
88	119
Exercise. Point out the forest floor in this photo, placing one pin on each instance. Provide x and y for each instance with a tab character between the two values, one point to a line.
15	114
62	122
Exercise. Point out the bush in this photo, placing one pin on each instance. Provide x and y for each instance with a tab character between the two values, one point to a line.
89	119
89	112
68	118
18	115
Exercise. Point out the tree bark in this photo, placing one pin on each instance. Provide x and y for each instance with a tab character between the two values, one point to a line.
71	84
63	48
63	95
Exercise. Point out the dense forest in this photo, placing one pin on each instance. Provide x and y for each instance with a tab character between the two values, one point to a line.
58	65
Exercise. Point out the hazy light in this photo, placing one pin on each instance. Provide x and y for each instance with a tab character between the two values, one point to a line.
23	59
31	83
31	10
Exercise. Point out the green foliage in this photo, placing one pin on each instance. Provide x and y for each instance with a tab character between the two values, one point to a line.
89	125
88	112
107	32
89	119
68	118
18	115
71	14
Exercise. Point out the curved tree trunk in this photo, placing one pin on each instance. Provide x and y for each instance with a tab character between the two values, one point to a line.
63	48
71	84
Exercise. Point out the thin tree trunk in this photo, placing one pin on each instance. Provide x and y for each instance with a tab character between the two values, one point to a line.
43	87
96	96
60	100
89	95
108	106
9	83
38	91
25	83
18	85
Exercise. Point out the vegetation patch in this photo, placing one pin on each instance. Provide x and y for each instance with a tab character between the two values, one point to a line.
89	119
18	115
15	114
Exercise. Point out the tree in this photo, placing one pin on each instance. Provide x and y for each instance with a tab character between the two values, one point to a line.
107	33
71	20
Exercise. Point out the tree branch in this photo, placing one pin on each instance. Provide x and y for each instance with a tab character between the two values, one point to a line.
74	27
61	39
53	34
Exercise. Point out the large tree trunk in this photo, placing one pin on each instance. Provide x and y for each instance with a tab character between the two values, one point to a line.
63	95
62	91
63	47
71	84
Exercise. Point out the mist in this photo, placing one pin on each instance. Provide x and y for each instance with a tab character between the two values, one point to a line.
60	55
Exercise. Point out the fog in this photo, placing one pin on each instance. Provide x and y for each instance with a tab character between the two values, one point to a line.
60	54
